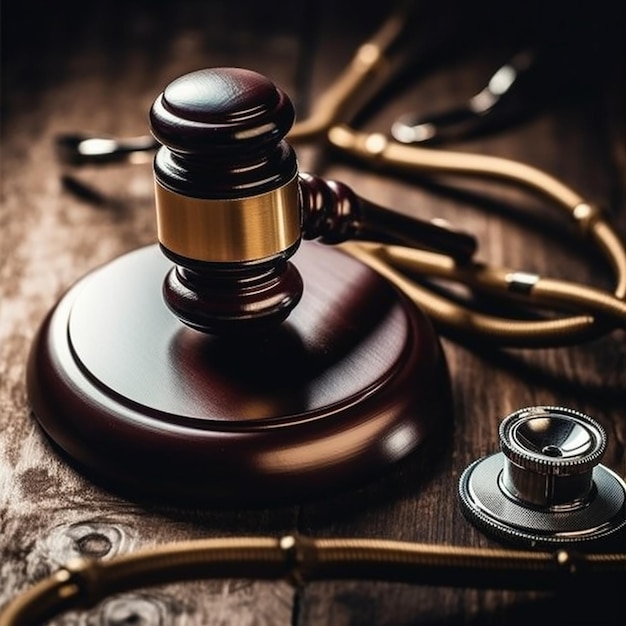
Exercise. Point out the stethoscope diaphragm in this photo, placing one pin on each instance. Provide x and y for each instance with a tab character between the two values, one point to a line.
546	486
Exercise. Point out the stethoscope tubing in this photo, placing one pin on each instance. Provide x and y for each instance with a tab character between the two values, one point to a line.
82	584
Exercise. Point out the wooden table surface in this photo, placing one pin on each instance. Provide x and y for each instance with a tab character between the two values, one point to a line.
97	67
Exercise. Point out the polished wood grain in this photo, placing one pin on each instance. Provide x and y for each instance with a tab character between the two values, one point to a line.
350	385
98	67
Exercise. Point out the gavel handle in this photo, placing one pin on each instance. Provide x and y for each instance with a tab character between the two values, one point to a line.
334	213
398	228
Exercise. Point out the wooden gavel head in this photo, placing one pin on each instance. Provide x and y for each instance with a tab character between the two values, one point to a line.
227	199
232	207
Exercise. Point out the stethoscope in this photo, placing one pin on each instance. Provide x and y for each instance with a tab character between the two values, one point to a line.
545	490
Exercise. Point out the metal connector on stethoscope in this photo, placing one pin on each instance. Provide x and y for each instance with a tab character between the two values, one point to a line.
546	487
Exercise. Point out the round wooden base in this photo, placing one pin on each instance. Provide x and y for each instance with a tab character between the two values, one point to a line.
354	381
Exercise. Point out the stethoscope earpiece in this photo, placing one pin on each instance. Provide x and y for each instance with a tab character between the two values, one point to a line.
546	486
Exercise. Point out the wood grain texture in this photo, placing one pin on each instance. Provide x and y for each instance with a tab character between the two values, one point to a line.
98	67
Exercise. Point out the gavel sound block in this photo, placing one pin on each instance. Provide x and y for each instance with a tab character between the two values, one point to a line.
243	358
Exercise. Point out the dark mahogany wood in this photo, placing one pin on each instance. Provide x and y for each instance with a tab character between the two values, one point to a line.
232	299
354	381
333	212
222	130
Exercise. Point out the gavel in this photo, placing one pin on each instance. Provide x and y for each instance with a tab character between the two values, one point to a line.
251	399
232	207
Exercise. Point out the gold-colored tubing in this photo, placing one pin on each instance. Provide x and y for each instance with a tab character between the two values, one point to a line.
299	559
371	60
376	147
48	598
613	250
457	319
546	292
368	63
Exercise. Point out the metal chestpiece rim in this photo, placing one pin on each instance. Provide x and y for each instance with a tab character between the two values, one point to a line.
546	486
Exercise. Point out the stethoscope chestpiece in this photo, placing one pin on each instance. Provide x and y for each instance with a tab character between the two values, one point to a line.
546	487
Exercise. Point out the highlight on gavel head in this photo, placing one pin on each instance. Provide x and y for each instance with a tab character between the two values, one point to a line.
227	200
